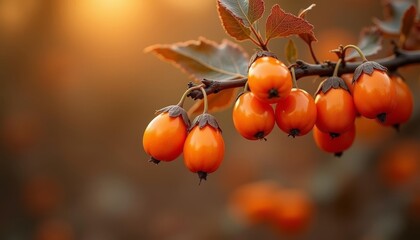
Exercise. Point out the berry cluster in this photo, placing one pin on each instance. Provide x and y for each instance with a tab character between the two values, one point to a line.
170	133
369	92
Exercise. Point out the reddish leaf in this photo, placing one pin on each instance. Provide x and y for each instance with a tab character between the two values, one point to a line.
247	11
307	37
413	41
203	58
394	12
370	43
282	24
216	102
232	25
407	24
255	10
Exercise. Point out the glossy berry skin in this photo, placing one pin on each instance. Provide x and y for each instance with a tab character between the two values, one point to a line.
252	118
348	79
336	111
335	145
164	137
404	99
296	114
269	79
374	95
204	149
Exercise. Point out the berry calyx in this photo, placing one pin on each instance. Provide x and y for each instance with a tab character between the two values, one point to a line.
164	136
269	79
252	118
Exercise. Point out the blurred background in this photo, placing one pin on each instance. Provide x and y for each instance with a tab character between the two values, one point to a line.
77	92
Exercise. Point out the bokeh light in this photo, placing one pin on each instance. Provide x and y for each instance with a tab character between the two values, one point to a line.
77	91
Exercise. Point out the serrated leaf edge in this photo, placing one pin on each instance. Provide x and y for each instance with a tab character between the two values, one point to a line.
200	40
245	20
276	7
240	22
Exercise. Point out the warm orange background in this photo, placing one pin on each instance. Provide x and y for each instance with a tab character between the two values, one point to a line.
77	92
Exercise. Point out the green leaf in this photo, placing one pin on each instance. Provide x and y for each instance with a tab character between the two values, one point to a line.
247	11
291	52
370	42
203	58
232	25
394	12
282	24
407	24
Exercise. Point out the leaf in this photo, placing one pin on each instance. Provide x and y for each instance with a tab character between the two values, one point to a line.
407	24
203	58
291	51
282	24
247	11
232	25
394	12
413	41
216	102
307	37
370	43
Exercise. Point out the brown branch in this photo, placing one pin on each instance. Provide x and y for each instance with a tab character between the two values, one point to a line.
304	69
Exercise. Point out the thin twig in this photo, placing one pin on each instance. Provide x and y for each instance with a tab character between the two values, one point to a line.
304	69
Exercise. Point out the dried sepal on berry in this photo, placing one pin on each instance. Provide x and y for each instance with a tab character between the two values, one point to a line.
164	136
205	119
204	147
367	68
335	108
260	54
176	111
332	82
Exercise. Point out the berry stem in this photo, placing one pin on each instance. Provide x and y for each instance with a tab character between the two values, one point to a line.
246	88
292	69
362	55
206	105
304	69
184	96
304	11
